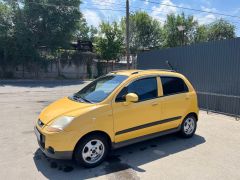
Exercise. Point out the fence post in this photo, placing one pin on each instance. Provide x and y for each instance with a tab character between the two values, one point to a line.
207	103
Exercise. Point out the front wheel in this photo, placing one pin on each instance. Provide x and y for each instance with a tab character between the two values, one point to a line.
91	151
189	126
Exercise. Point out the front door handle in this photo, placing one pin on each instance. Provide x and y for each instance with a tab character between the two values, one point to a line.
154	104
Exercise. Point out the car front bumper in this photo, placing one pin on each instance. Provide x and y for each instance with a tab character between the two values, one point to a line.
50	151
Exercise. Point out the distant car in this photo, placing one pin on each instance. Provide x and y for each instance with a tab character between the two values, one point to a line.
115	110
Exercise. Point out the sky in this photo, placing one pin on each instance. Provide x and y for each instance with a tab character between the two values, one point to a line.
96	11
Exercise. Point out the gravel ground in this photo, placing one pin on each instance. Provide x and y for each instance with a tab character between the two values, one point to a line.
213	153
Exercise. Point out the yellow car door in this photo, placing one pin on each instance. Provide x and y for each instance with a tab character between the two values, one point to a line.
175	101
139	118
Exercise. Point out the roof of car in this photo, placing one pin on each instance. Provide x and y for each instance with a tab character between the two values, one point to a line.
145	72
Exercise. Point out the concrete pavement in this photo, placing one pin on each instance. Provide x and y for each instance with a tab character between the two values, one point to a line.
213	153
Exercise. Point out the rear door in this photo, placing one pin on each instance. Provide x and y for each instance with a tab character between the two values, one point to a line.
175	100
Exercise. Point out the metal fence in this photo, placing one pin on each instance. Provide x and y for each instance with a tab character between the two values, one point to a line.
212	67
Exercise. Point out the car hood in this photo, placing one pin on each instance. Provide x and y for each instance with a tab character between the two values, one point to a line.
61	107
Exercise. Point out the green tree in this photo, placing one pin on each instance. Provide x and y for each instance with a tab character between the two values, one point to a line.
52	22
220	30
25	43
6	38
172	36
109	43
201	34
145	32
86	32
47	26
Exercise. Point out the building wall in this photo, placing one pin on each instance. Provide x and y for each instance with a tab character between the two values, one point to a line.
68	71
212	67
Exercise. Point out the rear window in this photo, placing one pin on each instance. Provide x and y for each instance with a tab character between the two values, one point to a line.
173	85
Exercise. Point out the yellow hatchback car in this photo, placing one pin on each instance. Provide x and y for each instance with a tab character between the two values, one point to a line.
115	110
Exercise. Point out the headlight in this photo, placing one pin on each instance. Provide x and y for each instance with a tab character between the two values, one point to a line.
60	123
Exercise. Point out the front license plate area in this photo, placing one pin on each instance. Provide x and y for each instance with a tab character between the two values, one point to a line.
37	134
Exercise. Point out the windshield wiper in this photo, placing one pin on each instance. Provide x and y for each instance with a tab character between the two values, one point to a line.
83	99
86	100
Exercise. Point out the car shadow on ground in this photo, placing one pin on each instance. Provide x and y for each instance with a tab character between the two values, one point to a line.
122	163
40	83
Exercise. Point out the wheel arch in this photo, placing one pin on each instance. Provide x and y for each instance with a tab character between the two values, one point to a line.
192	114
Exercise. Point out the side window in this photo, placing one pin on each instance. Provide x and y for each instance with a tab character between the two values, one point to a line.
144	88
173	85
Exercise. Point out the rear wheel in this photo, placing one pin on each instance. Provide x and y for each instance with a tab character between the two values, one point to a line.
189	126
91	151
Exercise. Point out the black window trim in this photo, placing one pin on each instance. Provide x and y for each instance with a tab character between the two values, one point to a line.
139	78
151	76
182	92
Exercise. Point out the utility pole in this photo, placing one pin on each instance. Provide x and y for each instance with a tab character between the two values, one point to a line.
181	29
127	34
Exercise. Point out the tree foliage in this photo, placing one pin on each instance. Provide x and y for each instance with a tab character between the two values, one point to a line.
201	34
86	32
37	25
172	36
145	32
109	44
6	36
220	30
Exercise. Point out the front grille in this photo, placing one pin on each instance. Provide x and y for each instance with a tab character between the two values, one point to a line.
40	123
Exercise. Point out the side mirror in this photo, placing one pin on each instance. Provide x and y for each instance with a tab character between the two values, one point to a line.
131	98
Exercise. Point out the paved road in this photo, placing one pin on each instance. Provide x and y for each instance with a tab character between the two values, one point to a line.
213	153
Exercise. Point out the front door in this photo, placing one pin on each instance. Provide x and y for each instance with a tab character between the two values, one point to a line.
137	119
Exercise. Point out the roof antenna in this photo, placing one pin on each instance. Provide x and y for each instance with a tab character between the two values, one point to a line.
169	64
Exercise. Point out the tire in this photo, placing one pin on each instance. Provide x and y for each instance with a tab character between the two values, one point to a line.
91	151
188	127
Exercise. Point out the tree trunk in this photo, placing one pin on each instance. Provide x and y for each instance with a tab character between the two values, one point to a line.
58	67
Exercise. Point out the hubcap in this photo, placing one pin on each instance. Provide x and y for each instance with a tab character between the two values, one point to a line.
93	151
189	125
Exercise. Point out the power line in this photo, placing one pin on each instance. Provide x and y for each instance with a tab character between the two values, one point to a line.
58	6
194	15
107	9
152	2
107	3
123	10
53	5
74	7
164	13
192	9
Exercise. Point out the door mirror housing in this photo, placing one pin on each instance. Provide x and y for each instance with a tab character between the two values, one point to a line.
131	98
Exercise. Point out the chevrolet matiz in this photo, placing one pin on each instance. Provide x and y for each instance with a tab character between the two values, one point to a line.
115	110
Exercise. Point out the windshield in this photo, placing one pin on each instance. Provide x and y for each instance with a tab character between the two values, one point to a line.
99	89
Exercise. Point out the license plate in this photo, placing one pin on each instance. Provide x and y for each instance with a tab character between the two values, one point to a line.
37	134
